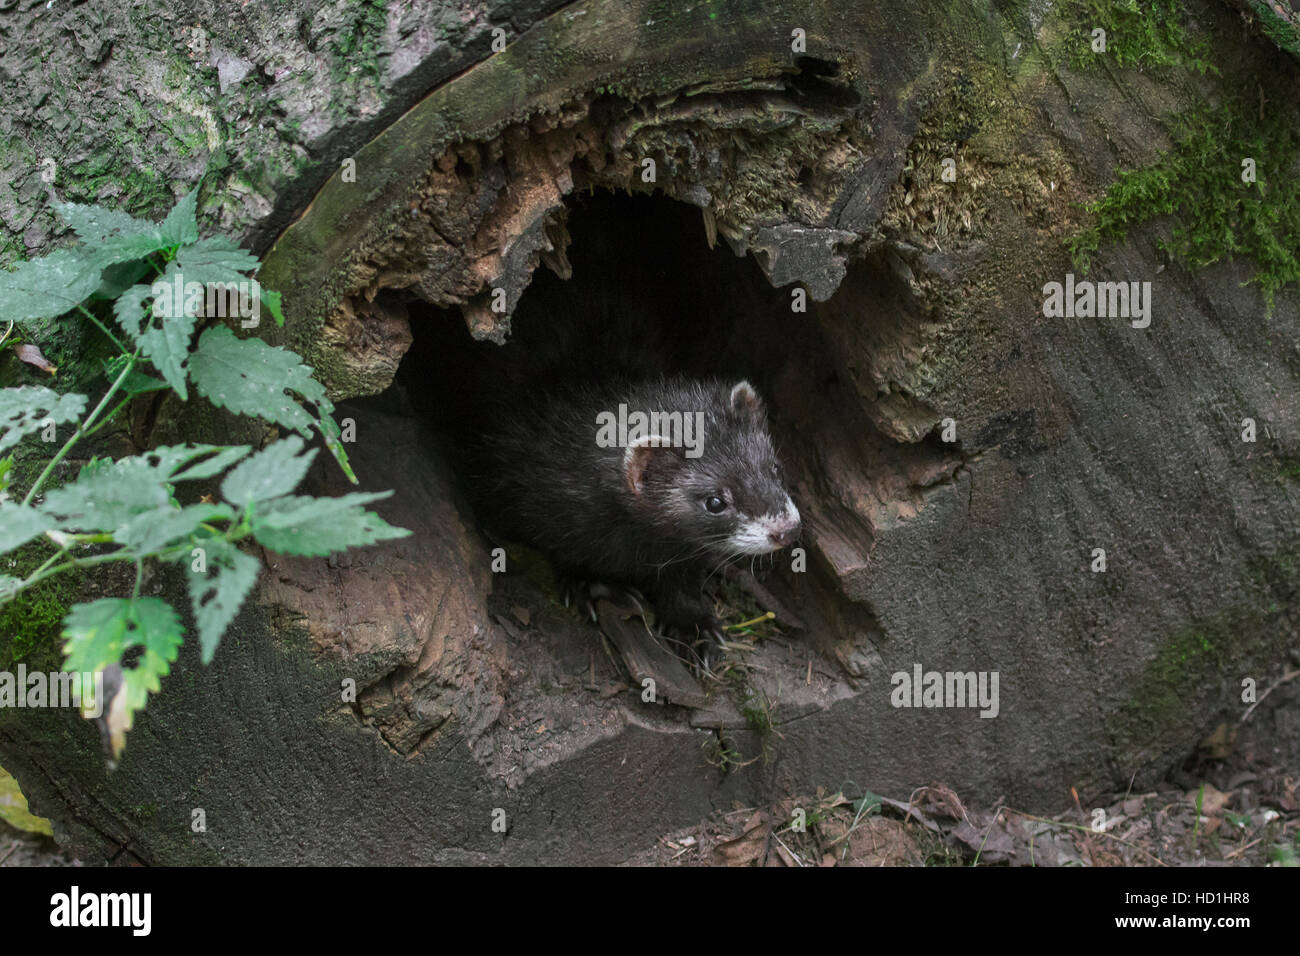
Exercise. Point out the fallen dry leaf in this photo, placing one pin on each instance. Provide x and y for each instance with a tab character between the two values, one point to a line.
32	356
1212	802
986	836
747	848
881	841
939	800
1219	744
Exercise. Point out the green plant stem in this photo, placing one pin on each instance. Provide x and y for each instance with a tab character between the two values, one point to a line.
103	328
123	555
35	575
233	534
81	431
109	417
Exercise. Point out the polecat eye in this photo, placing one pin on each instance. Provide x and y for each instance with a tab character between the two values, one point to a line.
714	505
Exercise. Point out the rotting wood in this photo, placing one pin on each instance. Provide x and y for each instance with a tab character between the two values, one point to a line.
646	658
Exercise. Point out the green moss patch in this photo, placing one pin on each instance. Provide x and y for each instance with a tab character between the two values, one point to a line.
1139	33
31	623
1217	215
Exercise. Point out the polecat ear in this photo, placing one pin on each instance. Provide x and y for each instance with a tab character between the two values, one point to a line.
647	457
745	400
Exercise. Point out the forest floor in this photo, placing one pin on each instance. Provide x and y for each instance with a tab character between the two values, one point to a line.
1236	802
1245	780
20	848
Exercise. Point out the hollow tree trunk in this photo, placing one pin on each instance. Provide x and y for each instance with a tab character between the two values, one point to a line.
823	167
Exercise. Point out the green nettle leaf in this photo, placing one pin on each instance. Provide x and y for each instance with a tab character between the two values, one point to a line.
215	260
96	224
129	309
217	593
19	524
314	527
50	286
271	473
133	500
214	465
249	377
167	458
105	498
99	633
127	248
333	442
26	410
152	531
168	346
111	236
181	225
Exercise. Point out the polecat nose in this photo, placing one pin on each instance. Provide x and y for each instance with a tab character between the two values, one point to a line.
786	535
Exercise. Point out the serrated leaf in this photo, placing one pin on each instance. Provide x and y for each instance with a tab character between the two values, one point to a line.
111	236
314	527
19	524
271	473
105	498
181	225
167	345
215	260
25	410
249	377
49	286
98	634
94	224
167	458
214	465
152	531
334	444
130	312
127	248
161	633
217	593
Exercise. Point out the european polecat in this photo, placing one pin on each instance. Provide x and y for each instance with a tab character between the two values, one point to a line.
654	484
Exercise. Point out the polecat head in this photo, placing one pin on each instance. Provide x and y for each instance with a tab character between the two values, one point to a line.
724	493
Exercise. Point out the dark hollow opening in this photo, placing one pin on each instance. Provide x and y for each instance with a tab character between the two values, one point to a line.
648	296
